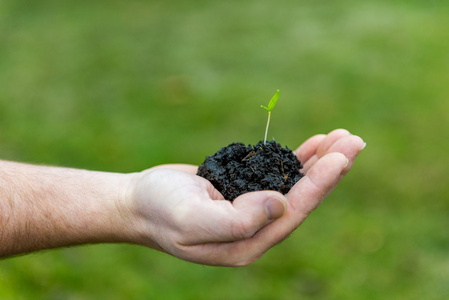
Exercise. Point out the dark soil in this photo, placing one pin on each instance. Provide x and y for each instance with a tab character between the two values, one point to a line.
237	169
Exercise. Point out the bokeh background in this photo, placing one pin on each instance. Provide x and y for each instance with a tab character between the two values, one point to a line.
125	85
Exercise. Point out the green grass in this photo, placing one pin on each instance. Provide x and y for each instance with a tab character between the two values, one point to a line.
123	86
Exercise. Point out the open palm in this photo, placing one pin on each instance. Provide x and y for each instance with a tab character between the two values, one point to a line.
184	215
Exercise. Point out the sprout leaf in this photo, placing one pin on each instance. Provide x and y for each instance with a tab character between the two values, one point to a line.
272	102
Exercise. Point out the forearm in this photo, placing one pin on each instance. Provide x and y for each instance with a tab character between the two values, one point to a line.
48	207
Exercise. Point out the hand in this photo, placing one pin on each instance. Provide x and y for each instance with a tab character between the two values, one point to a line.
182	214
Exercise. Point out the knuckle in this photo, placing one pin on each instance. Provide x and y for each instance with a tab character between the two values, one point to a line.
245	260
242	229
244	263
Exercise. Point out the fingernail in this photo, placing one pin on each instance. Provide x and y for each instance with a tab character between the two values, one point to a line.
364	145
347	163
275	208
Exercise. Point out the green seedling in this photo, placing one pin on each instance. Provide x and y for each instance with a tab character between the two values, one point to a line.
269	109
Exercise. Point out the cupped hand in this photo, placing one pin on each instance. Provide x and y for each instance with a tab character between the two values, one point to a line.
182	214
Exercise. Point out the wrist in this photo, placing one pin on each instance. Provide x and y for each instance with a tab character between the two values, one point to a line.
127	225
118	221
136	209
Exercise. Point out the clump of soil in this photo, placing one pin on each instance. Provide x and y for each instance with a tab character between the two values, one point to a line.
238	169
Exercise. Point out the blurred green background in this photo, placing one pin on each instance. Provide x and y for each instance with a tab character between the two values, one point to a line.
125	85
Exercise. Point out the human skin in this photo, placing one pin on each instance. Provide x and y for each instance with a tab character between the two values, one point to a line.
167	208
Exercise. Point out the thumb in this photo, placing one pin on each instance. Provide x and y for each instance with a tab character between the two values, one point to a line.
254	210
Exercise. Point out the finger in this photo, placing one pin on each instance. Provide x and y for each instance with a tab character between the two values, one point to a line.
330	139
269	204
304	197
350	146
321	179
308	148
251	212
221	221
309	164
326	145
181	167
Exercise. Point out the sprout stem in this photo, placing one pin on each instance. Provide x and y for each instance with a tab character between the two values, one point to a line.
266	129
